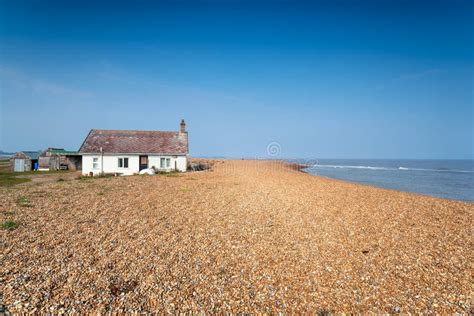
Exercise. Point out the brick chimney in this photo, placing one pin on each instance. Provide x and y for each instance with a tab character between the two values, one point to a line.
182	127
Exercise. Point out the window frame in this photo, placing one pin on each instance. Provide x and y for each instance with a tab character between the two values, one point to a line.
123	162
165	163
95	163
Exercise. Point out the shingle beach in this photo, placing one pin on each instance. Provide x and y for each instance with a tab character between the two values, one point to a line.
247	236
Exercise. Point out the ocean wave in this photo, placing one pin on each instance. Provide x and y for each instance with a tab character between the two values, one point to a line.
437	170
392	168
353	167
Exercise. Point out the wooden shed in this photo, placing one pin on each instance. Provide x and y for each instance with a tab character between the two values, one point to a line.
60	159
24	161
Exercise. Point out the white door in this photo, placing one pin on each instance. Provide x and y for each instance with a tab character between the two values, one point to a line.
19	165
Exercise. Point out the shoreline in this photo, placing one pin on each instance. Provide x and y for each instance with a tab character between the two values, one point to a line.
389	189
443	195
246	236
301	168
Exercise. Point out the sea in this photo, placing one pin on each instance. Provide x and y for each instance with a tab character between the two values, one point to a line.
450	179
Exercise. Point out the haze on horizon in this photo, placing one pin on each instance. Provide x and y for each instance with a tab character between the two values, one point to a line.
324	79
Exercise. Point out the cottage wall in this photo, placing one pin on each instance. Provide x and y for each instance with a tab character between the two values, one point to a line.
179	161
110	163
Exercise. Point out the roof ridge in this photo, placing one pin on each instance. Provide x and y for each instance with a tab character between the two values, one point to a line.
132	130
88	134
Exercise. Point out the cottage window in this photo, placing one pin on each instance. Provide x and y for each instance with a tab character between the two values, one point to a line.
165	163
95	163
123	162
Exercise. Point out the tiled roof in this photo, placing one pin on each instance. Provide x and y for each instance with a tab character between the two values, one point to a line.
63	152
146	142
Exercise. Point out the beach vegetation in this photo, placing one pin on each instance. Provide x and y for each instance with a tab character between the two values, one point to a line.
23	202
10	178
10	225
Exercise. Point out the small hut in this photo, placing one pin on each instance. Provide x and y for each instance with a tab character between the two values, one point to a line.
59	159
24	161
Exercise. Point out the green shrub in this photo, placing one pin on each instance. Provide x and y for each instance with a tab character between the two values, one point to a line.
10	225
23	202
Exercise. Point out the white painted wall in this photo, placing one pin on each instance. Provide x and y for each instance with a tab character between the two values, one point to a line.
110	163
180	162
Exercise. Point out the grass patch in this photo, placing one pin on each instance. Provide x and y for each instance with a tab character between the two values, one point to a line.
4	165
172	173
102	176
185	189
84	178
105	175
23	202
8	213
10	225
9	179
39	173
41	194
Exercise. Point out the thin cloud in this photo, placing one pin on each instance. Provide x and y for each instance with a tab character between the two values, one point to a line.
41	86
38	85
409	77
419	75
110	72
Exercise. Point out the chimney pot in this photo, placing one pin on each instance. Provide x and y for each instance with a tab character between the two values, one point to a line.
182	126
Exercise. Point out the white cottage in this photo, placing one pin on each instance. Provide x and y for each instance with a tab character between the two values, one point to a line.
128	152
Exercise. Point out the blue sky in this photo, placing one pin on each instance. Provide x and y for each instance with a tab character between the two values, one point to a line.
324	79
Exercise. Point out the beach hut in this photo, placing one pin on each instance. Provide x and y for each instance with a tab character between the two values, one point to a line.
24	161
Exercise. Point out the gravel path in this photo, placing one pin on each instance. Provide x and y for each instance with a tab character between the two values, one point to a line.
245	237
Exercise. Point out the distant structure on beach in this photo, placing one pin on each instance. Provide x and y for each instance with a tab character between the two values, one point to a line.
24	161
48	159
59	159
127	152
